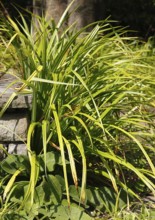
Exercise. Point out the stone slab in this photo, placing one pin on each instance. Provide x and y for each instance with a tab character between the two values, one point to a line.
22	101
14	126
17	148
6	89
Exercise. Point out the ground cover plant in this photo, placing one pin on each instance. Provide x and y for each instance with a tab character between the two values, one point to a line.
91	138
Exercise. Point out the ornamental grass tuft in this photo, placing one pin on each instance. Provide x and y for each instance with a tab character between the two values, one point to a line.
92	118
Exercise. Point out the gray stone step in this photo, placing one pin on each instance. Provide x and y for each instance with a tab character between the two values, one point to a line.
14	126
15	121
21	101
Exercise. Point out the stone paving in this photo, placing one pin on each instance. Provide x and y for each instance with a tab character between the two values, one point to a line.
15	121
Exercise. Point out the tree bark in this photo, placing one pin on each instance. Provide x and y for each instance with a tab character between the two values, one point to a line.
54	9
38	7
82	13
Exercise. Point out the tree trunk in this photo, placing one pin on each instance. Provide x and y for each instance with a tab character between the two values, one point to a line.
81	12
38	7
54	9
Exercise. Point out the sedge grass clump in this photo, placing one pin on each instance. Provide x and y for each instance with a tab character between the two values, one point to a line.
93	100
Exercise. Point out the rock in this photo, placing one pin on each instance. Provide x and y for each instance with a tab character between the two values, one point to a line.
13	127
18	148
15	121
20	101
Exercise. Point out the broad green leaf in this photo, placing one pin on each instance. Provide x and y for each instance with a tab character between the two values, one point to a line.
52	159
75	212
13	163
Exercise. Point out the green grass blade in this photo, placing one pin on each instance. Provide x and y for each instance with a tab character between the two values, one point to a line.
72	162
61	144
